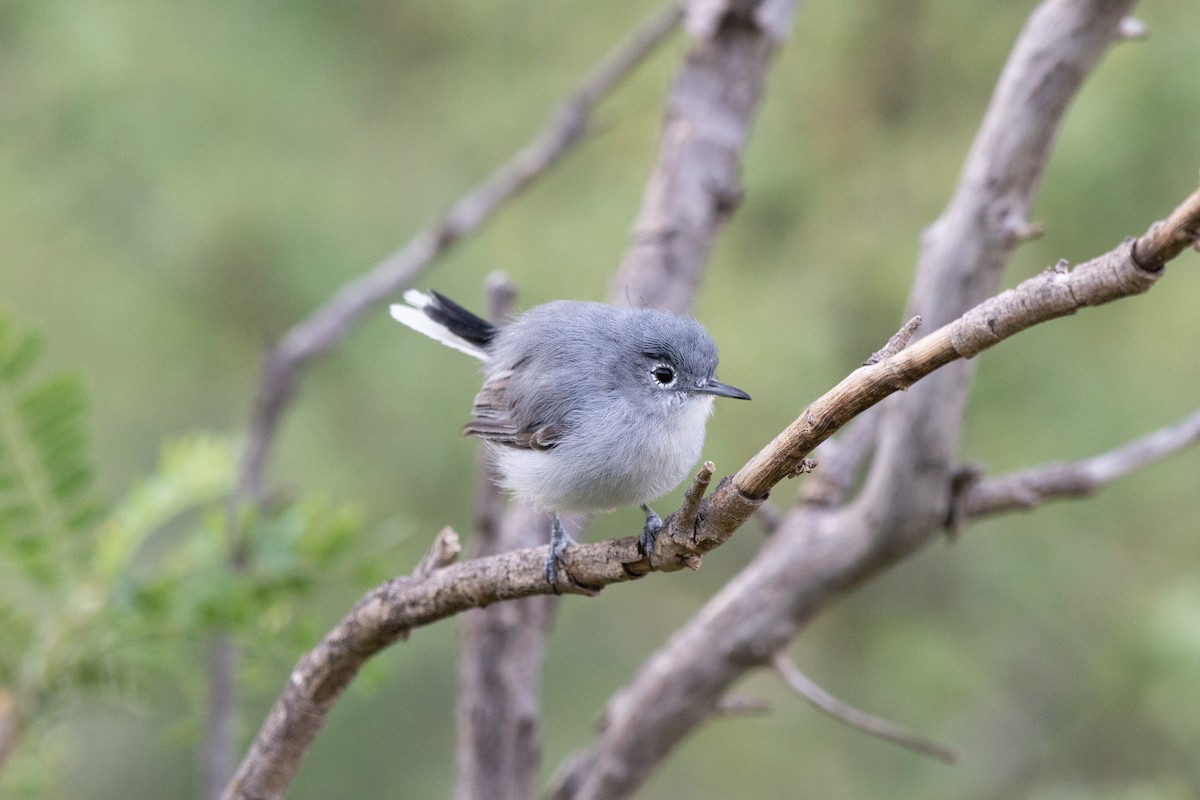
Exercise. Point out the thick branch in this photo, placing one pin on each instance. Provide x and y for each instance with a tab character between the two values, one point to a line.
963	254
696	182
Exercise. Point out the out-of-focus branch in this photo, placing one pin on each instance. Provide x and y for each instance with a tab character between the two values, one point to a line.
218	751
1029	488
696	182
859	720
503	645
8	725
326	326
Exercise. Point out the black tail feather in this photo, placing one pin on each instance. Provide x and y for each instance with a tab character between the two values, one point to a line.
459	321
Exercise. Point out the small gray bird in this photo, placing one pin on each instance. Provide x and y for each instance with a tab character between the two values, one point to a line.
584	406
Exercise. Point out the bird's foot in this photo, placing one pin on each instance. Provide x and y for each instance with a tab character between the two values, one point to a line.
559	541
654	524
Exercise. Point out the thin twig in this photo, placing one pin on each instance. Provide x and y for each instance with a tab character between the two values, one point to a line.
740	706
859	720
895	344
1029	488
442	553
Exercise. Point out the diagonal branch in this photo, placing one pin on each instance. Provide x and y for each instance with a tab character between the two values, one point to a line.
1029	488
323	673
859	720
393	609
326	326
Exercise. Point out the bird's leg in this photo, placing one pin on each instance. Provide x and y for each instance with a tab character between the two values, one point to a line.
654	524
559	539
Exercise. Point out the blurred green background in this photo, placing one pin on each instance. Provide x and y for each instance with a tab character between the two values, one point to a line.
181	182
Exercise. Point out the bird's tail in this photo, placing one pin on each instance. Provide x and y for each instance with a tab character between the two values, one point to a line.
440	318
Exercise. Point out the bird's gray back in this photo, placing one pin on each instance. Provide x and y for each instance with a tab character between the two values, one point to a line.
567	355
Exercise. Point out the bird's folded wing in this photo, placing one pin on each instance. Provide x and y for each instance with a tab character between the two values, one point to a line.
491	419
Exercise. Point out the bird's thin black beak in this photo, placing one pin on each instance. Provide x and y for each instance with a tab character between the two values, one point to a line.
715	387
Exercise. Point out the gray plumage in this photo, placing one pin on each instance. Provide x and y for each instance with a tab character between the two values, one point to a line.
584	406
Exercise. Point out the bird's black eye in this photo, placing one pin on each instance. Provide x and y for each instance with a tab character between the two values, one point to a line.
663	374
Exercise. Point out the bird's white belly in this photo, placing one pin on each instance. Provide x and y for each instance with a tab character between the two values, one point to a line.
621	462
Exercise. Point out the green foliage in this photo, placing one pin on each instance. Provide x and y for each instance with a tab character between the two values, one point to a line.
118	606
45	476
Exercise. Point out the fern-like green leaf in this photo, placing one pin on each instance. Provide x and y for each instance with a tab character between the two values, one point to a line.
194	473
45	472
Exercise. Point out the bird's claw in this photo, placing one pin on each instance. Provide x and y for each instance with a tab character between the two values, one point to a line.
649	535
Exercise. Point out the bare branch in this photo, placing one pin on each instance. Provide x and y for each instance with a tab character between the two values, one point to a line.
819	553
696	182
218	747
1029	488
502	646
393	609
1170	238
964	253
326	326
859	720
500	668
740	706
